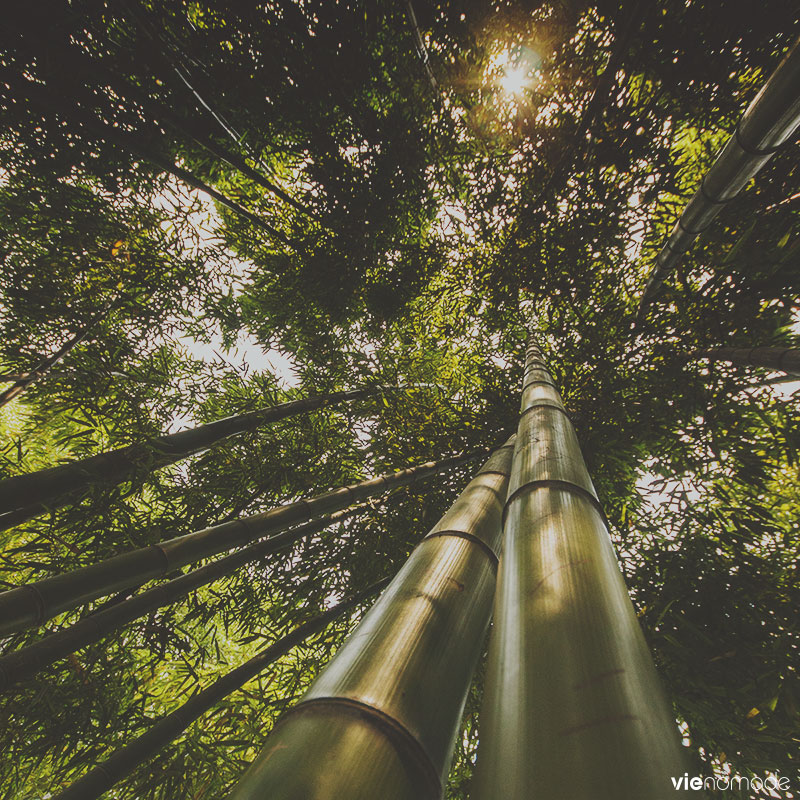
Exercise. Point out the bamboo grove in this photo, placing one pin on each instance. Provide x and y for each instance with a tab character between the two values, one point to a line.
398	399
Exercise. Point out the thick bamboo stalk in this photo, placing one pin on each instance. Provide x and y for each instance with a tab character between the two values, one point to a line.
572	705
47	488
125	760
382	718
777	359
31	605
27	661
771	119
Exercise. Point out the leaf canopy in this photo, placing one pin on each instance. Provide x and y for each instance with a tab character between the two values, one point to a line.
414	230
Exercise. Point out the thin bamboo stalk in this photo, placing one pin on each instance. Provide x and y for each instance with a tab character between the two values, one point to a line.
382	718
125	760
160	51
769	122
777	359
419	45
34	603
572	704
24	663
90	72
47	488
49	101
25	380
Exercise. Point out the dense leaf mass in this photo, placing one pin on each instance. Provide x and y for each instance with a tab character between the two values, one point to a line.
243	204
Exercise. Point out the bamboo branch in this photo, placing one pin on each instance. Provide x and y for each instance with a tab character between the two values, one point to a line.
777	359
43	367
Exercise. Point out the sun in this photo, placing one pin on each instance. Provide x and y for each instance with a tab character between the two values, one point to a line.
514	80
512	71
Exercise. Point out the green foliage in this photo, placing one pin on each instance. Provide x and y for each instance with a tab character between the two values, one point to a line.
428	229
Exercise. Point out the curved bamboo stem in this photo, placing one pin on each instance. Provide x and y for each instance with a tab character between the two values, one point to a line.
23	381
125	760
572	703
32	604
381	719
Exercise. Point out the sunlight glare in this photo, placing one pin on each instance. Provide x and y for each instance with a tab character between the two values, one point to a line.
514	80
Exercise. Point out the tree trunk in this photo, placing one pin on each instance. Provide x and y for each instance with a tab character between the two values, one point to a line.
31	605
382	718
125	760
777	359
572	705
52	487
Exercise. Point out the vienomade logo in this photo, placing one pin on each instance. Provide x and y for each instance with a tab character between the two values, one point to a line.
771	782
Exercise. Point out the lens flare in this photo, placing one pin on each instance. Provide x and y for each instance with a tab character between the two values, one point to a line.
514	80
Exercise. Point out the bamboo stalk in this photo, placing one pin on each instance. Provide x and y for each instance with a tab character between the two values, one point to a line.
419	45
572	703
769	122
159	48
47	488
50	101
34	603
777	359
25	380
382	718
24	663
125	760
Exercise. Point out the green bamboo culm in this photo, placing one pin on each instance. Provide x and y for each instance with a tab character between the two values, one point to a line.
24	663
777	359
125	760
572	703
382	718
25	496
770	121
32	604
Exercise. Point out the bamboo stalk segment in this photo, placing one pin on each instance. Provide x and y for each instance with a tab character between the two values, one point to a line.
32	604
541	394
48	487
381	719
572	703
123	761
769	122
547	451
778	359
536	374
